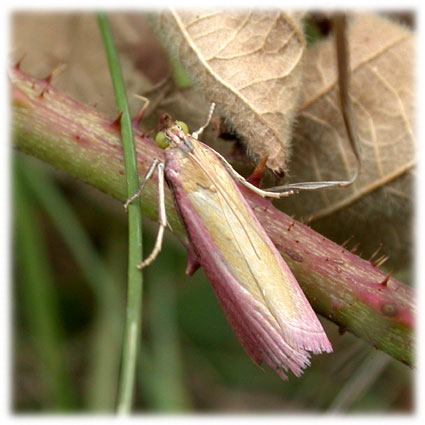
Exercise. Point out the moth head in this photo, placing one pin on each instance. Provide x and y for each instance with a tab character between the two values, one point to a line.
162	139
183	126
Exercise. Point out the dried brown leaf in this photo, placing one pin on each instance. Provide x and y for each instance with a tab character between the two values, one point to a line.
249	63
45	40
382	93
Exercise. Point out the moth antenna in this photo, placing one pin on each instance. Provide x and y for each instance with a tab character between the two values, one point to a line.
196	134
162	218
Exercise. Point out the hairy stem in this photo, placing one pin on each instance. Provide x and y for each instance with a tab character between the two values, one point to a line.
341	286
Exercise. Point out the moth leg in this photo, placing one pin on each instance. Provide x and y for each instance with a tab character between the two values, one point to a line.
286	190
196	134
278	191
240	179
296	187
148	175
162	218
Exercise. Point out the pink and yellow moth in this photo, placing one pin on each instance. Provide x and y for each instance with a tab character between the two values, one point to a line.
257	291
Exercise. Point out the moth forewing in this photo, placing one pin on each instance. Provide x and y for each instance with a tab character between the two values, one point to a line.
263	271
260	296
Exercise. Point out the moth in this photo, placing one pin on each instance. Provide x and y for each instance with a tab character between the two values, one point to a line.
257	291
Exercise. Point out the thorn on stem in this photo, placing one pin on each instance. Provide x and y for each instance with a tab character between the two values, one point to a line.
43	91
355	247
46	81
386	279
384	260
257	174
309	220
18	64
380	261
117	121
375	253
291	226
348	240
60	67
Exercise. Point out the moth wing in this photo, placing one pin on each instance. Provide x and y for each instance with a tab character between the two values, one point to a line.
270	274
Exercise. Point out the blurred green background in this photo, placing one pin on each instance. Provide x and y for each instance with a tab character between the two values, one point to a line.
69	284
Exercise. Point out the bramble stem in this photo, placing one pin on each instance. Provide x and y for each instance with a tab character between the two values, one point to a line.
344	288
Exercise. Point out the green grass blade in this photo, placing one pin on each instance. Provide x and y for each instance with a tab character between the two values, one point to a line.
104	360
163	368
40	302
135	277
